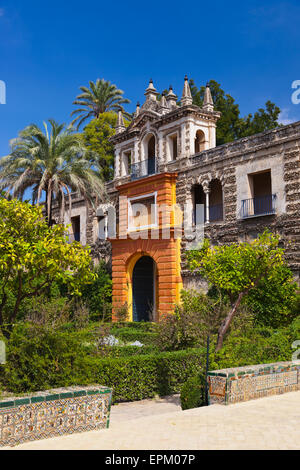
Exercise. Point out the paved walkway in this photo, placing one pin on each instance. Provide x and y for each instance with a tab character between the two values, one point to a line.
267	423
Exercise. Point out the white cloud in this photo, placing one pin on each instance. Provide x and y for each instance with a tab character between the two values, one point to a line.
284	117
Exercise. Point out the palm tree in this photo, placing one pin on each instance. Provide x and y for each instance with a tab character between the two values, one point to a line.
52	165
102	96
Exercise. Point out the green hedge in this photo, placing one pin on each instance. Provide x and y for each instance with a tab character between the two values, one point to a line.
127	351
139	377
130	335
40	359
192	393
140	326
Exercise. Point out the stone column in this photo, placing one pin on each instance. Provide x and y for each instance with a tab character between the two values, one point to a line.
117	164
135	157
207	205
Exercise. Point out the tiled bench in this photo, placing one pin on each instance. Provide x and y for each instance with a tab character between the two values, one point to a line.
246	383
53	413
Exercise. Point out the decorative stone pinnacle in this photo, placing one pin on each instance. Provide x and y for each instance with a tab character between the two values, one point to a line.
120	123
163	100
137	111
171	98
186	98
208	104
151	92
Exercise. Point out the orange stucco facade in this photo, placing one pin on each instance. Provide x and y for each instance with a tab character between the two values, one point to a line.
130	245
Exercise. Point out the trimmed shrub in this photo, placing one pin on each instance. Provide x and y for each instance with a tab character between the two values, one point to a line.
139	377
192	393
127	351
130	335
98	295
40	359
141	326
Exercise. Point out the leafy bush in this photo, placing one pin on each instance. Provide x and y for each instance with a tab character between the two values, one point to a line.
258	345
196	317
141	326
122	313
52	313
40	358
192	393
130	335
275	302
127	351
97	296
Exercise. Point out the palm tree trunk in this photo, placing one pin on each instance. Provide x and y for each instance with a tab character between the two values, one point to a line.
46	207
51	210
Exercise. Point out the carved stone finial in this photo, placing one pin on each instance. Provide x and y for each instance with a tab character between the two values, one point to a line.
186	98
208	104
138	108
120	123
151	92
171	98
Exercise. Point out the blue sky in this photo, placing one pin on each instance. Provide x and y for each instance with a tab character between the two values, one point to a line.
49	49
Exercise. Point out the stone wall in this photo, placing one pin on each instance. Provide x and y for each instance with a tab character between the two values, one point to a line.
229	163
239	384
51	413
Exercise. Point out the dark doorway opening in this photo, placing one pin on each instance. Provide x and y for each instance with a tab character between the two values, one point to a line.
143	289
198	196
151	155
76	228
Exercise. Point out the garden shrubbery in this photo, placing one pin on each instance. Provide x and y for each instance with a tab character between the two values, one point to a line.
130	335
97	296
41	358
55	338
192	393
257	345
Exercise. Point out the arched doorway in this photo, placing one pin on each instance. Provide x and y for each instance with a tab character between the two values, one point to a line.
143	289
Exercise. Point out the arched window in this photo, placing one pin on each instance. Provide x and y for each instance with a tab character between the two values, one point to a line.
216	211
150	157
151	147
199	204
126	163
199	141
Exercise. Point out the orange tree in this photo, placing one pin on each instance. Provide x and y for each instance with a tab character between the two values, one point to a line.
237	269
33	256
